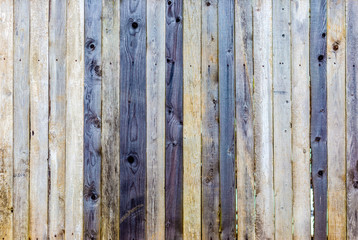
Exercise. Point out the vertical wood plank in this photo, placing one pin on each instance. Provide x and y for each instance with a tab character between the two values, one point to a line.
192	119
156	119
174	120
74	119
6	118
336	112
318	73
227	119
110	120
282	118
21	118
301	210
244	117
133	119
92	119
39	15
263	119
210	122
57	121
352	114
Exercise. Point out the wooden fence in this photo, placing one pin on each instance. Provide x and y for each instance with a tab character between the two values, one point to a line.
178	119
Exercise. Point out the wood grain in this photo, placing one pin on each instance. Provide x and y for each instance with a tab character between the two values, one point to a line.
262	24
210	179
192	119
110	120
336	112
74	119
6	119
21	118
39	112
301	209
244	118
174	120
133	119
318	73
155	120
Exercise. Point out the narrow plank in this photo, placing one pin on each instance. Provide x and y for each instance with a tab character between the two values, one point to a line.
336	112
133	119
57	121
318	73
192	119
265	228
352	124
156	119
74	119
39	112
227	119
282	118
6	118
301	209
92	119
110	120
174	120
244	117
21	118
210	181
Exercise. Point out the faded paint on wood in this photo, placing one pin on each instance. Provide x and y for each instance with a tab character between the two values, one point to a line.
192	119
336	112
210	178
301	184
133	119
110	120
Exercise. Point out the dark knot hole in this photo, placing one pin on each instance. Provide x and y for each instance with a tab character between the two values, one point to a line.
134	25
130	159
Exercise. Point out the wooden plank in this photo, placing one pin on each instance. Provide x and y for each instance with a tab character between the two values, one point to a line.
301	209
6	118
57	121
336	112
174	120
210	181
133	119
110	120
318	73
227	119
156	119
192	119
92	119
244	117
39	112
21	118
74	119
352	124
282	118
263	119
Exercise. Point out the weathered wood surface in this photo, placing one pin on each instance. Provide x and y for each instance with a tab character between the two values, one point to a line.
336	122
39	112
21	119
301	209
57	118
132	119
110	120
155	219
244	117
74	119
210	178
318	71
192	119
92	119
6	119
174	120
352	114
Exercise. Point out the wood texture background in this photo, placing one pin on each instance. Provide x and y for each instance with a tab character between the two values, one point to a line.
178	119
